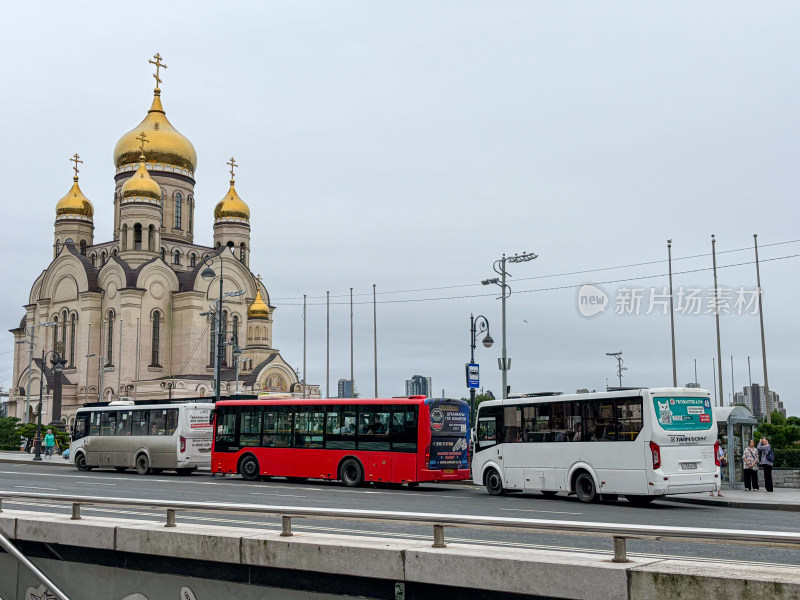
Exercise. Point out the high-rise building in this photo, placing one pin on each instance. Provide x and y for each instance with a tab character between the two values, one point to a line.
753	397
419	386
346	389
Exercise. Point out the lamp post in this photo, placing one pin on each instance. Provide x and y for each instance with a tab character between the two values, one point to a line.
57	368
477	325
500	268
620	368
31	330
237	352
209	274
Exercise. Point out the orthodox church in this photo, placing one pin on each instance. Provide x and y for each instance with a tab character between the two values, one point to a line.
136	316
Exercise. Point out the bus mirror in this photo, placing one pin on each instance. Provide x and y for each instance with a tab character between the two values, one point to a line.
211	416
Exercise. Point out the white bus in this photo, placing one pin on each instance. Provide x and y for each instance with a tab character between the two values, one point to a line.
149	437
641	443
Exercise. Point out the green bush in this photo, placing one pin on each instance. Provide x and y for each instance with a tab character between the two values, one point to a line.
9	438
28	431
787	458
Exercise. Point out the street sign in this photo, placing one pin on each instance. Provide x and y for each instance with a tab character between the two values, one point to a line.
473	375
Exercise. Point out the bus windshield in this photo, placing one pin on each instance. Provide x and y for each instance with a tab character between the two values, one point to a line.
682	413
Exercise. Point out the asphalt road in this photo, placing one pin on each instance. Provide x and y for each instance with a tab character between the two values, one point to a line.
455	499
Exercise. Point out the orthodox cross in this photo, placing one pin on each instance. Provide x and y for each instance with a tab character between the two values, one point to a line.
157	62
233	165
76	159
142	140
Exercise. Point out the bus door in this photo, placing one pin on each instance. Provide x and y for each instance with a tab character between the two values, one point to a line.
487	439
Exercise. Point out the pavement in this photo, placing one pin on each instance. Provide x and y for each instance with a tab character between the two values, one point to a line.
786	499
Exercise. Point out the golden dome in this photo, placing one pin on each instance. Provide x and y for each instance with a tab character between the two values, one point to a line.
141	185
231	207
166	145
258	309
74	205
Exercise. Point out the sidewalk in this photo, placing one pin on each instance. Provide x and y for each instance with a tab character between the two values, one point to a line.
24	457
781	499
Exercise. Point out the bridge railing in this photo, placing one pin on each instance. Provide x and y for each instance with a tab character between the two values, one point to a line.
618	532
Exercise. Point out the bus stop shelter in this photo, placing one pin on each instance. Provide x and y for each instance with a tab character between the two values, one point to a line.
735	426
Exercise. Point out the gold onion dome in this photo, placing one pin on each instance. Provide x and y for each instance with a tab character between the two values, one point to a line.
74	205
141	185
258	309
231	207
166	146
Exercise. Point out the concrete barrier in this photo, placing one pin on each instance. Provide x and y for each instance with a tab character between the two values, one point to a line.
416	564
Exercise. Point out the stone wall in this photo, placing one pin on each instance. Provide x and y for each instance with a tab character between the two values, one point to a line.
781	478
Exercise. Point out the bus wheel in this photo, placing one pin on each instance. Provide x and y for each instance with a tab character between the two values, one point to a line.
351	473
120	469
493	483
142	464
584	488
639	500
248	468
80	462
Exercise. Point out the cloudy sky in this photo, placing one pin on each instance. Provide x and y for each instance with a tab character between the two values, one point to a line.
410	144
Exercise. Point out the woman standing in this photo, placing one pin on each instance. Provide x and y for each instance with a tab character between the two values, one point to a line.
767	460
750	458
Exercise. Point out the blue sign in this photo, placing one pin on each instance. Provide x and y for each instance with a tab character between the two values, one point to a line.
473	375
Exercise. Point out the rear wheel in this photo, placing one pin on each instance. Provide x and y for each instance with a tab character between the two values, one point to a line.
248	468
351	473
639	500
493	482
548	493
585	488
80	462
120	469
142	464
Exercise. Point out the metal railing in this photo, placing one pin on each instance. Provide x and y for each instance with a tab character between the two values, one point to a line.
619	533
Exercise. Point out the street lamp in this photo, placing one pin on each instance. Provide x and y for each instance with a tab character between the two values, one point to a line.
57	368
500	268
30	330
620	368
482	324
209	274
237	352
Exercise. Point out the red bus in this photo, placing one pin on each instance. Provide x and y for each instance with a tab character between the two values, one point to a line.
399	440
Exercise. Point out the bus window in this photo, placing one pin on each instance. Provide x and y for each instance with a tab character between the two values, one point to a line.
629	418
572	421
340	432
139	422
373	428
108	423
124	422
529	424
172	420
250	426
512	417
158	421
225	436
94	427
282	437
403	429
605	428
81	427
308	426
487	432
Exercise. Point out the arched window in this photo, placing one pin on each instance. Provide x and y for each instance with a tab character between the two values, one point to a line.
212	338
72	333
156	339
224	329
124	236
103	258
163	196
110	343
114	252
178	209
83	247
55	331
164	254
64	317
151	238
241	251
235	328
58	247
94	260
190	205
137	236
192	260
176	257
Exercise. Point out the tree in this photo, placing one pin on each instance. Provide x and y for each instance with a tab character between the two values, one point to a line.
9	438
777	418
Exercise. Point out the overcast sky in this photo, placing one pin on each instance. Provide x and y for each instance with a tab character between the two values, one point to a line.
410	144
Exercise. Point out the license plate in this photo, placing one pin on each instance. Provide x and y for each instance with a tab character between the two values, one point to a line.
688	466
449	471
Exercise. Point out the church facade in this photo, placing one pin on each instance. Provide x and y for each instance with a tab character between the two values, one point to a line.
136	316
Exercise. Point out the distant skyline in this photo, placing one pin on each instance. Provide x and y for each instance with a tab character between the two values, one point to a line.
409	145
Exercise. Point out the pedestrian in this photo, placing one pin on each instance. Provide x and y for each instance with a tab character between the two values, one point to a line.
750	457
767	460
49	444
722	459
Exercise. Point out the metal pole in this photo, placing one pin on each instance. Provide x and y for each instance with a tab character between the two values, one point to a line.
733	386
138	338
714	373
236	364
695	372
219	347
716	316
37	441
504	365
30	367
328	345
471	360
763	342
102	362
375	335
352	382
304	345
119	366
749	373
88	352
22	559
671	317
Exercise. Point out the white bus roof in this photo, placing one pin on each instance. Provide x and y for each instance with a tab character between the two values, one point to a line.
622	393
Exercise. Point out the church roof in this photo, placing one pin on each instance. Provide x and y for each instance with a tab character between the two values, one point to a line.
250	378
91	271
